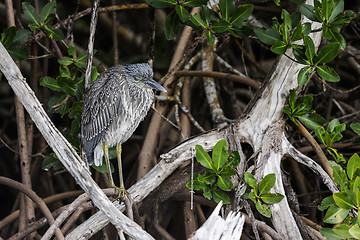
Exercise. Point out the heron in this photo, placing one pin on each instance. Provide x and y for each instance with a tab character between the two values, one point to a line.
114	105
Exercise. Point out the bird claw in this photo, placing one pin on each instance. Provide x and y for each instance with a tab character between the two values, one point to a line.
121	194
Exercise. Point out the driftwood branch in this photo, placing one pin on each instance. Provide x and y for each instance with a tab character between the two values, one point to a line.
218	228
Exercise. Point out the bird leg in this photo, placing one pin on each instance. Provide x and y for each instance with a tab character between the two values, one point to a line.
108	166
122	190
118	156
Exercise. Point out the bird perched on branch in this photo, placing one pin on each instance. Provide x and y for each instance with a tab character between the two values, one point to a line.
114	105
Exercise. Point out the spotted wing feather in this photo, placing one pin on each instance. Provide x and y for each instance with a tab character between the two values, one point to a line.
102	105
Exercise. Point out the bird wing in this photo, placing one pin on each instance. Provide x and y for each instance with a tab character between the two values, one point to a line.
101	107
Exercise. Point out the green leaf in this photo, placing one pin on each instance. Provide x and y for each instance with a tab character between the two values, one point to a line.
327	53
219	154
332	124
21	37
71	50
252	196
220	26
47	10
267	36
312	121
299	53
267	183
352	165
55	34
234	159
335	215
271	198
219	195
103	168
197	21
227	172
326	203
251	181
308	12
65	61
355	231
160	3
30	13
343	201
182	13
339	8
263	209
334	37
292	98
303	76
67	86
241	14
279	47
287	22
309	48
172	25
327	73
355	127
207	193
227	7
7	37
329	234
51	83
306	28
295	19
195	3
342	230
320	134
51	161
203	157
210	37
209	177
339	175
296	35
287	111
208	15
224	184
326	8
17	53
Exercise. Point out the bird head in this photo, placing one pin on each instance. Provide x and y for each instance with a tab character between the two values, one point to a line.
142	74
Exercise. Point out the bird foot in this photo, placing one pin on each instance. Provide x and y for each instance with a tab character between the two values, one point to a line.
122	193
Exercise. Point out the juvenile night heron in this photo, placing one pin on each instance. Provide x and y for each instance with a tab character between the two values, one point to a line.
114	105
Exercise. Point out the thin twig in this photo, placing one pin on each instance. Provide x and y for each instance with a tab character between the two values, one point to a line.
91	42
323	159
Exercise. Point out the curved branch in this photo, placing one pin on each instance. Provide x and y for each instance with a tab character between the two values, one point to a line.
72	207
227	76
33	196
316	168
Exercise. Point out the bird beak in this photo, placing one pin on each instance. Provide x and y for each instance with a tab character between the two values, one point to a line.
154	85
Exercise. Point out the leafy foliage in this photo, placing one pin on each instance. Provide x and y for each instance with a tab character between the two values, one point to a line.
13	40
69	85
330	136
342	208
41	22
302	110
259	193
286	35
215	181
331	14
227	19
